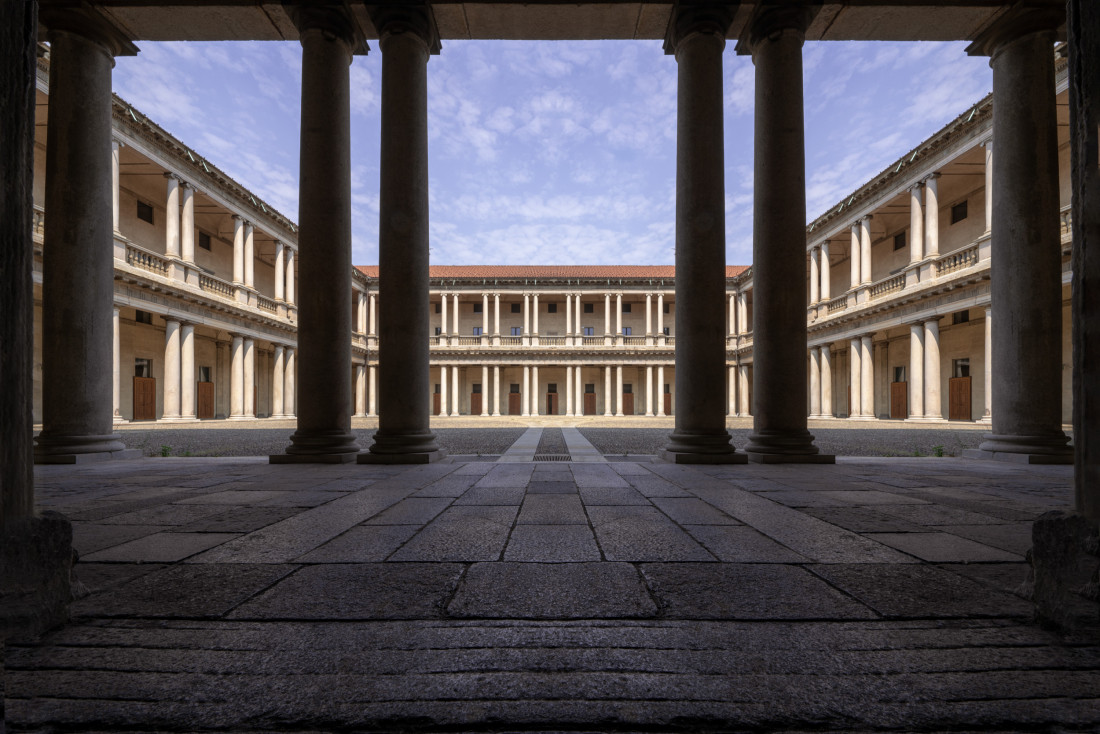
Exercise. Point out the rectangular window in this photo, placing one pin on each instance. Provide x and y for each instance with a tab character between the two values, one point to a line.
552	387
438	331
513	388
204	374
667	329
589	331
899	373
589	308
517	331
204	240
477	331
589	388
477	307
626	308
668	388
439	308
627	388
551	308
958	212
437	388
960	367
517	308
899	241
668	308
145	212
477	388
143	317
143	367
960	317
626	331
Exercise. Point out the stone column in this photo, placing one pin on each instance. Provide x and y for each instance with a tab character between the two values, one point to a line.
608	404
569	389
580	330
1025	252
455	315
290	384
649	319
444	391
187	224
496	322
987	415
535	390
290	276
526	319
360	391
988	146
696	35
116	371
455	396
485	383
661	319
236	379
733	315
280	272
932	408
826	289
649	390
372	398
855	377
826	382
238	250
115	145
484	328
732	389
277	378
535	319
932	216
661	389
866	273
569	319
187	372
916	371
250	378
607	318
619	390
743	390
815	382
361	313
916	223
815	276
496	390
742	312
619	318
525	399
867	382
780	432
856	256
372	316
249	255
579	392
171	395
172	217
443	314
324	234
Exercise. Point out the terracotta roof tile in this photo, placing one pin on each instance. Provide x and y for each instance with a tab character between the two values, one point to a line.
512	272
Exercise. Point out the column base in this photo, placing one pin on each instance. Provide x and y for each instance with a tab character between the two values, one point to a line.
1064	562
312	458
421	457
785	446
1051	448
80	449
923	419
179	419
985	421
239	418
684	457
862	418
36	555
333	446
1012	457
120	421
755	457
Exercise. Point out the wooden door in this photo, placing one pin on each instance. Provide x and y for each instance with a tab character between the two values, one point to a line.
475	403
205	410
145	399
628	403
436	402
590	403
514	400
668	403
899	400
551	403
958	404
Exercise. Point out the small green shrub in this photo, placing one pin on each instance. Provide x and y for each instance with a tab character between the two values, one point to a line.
165	450
937	450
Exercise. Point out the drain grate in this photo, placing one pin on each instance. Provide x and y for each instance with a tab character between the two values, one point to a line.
550	457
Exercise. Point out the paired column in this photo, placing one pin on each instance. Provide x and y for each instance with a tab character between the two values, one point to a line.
277	378
535	390
324	421
619	390
569	390
856	257
661	389
855	377
579	392
116	372
866	275
290	383
496	388
826	382
249	386
360	391
780	432
916	223
78	265
826	290
987	372
1027	292
525	398
916	371
455	397
171	397
932	220
932	404
485	387
815	382
867	378
697	38
236	379
372	386
815	276
649	390
607	394
444	391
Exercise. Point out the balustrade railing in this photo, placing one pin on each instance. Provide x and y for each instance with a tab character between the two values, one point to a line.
511	341
552	341
466	341
634	341
837	304
146	260
1066	216
957	260
888	285
266	304
215	285
592	341
39	224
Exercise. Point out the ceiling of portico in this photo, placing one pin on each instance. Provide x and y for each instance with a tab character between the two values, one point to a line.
864	20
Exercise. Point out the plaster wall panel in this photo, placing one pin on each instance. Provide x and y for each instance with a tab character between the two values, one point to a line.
147	236
963	233
963	341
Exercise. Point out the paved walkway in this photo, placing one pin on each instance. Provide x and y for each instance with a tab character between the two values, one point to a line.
232	595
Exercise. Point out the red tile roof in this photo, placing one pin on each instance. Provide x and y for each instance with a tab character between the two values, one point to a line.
512	272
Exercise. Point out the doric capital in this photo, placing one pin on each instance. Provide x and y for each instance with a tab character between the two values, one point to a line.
237	219
916	186
1025	18
186	185
932	177
331	18
171	176
86	21
415	17
774	17
867	218
695	17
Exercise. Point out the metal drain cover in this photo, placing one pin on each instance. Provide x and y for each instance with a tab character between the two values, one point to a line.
551	457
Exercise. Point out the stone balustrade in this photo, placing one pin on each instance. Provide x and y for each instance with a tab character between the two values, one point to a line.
145	260
837	304
215	285
886	286
957	260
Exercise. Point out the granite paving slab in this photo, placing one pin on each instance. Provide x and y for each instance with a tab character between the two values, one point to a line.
1012	537
552	544
551	486
161	547
91	537
492	496
612	496
461	535
740	544
943	547
240	520
362	544
411	511
552	509
692	511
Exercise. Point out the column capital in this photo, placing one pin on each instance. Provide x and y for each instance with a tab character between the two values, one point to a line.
1018	22
987	143
237	218
170	175
331	18
915	186
87	22
415	18
694	18
187	185
869	217
932	176
769	20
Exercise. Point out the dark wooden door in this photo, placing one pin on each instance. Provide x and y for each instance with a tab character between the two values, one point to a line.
205	410
590	403
514	400
958	404
899	400
145	399
628	403
437	400
551	403
475	403
668	403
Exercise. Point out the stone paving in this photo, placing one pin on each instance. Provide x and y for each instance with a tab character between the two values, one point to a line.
233	595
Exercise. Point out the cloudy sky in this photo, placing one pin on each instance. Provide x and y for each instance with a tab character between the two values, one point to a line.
552	152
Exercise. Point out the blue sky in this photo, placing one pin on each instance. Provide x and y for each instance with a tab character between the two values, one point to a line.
552	152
